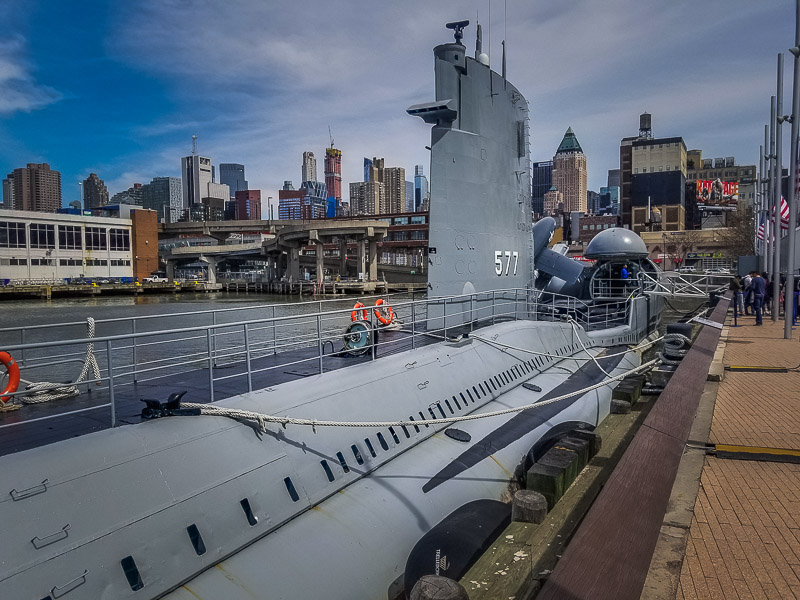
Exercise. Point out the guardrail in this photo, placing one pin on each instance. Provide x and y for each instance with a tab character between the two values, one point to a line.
248	344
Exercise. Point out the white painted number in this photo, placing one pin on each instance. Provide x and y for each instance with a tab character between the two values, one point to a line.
510	257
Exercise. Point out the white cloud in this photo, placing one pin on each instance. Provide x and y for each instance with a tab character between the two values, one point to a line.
260	83
18	89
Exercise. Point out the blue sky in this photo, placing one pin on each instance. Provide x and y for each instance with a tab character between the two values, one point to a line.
119	88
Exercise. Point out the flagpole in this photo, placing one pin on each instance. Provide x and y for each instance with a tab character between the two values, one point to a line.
772	184
766	177
792	195
775	306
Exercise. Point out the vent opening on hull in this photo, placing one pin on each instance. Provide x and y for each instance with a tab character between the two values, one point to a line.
197	540
132	573
248	511
290	488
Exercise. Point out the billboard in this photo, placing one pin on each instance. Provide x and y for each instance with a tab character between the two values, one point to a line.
717	193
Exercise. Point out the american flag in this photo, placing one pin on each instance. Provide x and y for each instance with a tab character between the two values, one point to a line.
760	234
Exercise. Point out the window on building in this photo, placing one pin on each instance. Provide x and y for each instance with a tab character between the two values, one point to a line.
119	240
667	167
12	235
400	221
19	262
42	235
419	220
636	170
43	262
69	237
96	238
585	227
660	169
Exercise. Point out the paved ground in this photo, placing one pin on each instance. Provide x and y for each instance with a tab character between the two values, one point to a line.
744	541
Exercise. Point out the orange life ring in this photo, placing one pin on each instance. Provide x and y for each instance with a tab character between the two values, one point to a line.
364	313
383	312
13	376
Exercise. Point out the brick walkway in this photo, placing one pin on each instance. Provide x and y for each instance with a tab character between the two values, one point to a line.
744	540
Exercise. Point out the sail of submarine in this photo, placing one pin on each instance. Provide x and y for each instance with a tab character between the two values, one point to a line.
205	507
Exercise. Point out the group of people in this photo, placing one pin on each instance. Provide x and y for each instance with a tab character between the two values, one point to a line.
753	294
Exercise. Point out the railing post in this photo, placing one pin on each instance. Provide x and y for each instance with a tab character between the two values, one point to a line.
413	322
319	342
273	331
444	319
214	335
247	358
111	384
493	302
210	365
22	338
373	332
135	362
471	315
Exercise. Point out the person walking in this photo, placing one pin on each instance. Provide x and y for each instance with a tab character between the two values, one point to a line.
767	302
748	294
735	285
759	288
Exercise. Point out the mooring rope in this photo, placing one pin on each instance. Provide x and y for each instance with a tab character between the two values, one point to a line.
45	391
263	419
676	346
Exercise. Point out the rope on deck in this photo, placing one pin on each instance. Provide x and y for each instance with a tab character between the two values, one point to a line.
263	419
45	391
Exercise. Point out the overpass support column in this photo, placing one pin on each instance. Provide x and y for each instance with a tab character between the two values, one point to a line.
373	259
293	257
343	258
361	257
211	263
320	252
171	270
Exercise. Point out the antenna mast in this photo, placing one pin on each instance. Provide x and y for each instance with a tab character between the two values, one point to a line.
330	135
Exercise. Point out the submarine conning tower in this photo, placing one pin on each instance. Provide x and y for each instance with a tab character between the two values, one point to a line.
480	235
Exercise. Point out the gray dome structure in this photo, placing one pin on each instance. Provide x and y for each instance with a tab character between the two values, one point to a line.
616	242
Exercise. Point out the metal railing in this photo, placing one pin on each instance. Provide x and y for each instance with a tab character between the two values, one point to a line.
250	350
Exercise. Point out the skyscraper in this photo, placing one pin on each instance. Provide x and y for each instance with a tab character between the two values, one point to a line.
133	195
613	178
232	175
367	197
409	207
393	180
95	193
164	195
35	187
542	180
569	173
421	192
367	167
195	177
333	173
248	205
8	193
309	169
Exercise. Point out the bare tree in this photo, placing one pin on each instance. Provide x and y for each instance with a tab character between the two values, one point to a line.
737	239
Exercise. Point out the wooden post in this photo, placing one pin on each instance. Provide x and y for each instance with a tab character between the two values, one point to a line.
528	507
434	587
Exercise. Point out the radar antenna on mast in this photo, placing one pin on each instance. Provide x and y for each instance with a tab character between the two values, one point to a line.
458	29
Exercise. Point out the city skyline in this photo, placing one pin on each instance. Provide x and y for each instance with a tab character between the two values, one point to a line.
127	111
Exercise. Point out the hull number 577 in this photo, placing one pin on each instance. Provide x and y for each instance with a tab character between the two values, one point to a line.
503	260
